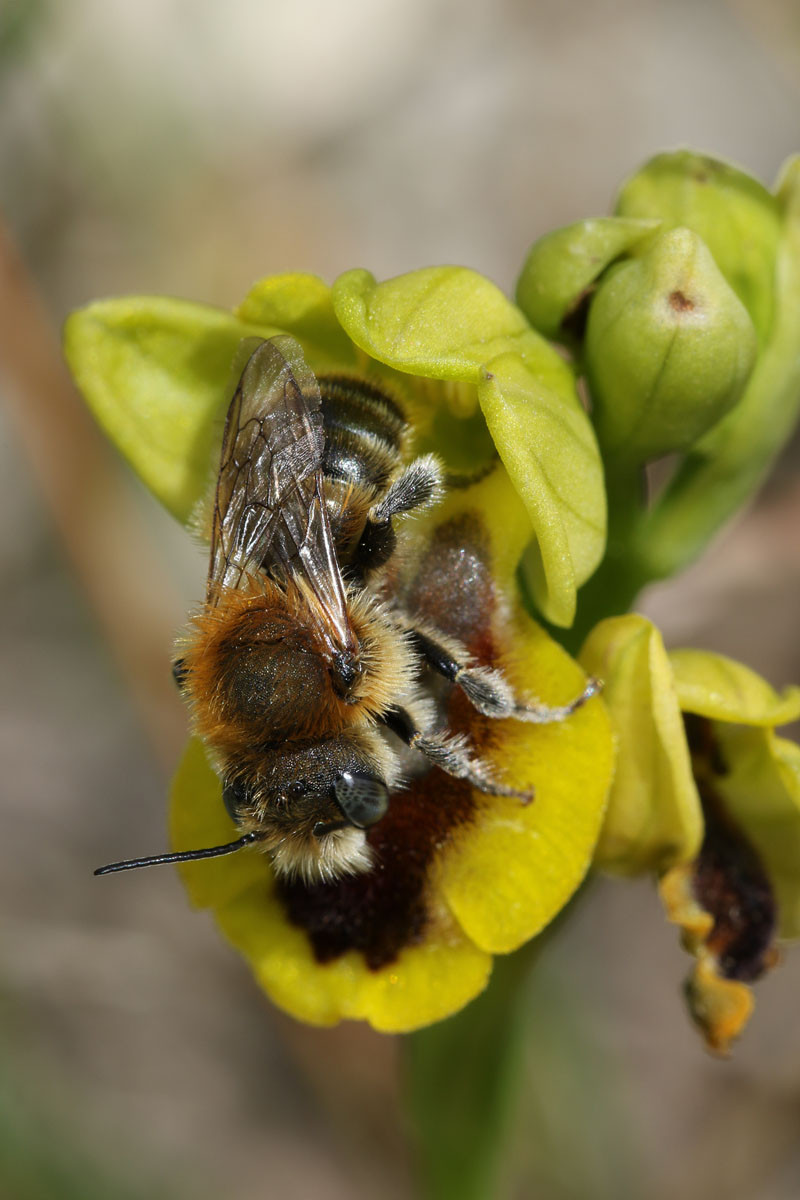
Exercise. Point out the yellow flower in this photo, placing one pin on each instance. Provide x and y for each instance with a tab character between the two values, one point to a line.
708	796
459	876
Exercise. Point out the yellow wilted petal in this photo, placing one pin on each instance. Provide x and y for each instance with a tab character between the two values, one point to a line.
719	1007
724	690
654	817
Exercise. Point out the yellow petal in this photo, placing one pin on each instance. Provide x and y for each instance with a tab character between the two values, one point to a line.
516	865
513	868
493	885
425	983
724	690
654	816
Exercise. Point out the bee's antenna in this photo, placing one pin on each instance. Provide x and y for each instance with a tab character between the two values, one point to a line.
184	856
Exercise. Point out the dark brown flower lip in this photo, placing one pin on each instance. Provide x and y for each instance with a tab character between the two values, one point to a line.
729	880
380	913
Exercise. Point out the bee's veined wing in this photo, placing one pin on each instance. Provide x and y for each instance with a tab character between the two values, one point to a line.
269	510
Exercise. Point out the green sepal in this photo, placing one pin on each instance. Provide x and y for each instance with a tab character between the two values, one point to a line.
549	451
562	267
157	374
449	323
733	213
303	306
669	348
437	322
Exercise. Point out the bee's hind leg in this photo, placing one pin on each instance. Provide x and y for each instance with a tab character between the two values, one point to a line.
417	487
487	689
450	753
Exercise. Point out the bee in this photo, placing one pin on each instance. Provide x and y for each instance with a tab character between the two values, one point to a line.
304	674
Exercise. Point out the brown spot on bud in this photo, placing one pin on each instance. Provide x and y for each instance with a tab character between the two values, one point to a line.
680	302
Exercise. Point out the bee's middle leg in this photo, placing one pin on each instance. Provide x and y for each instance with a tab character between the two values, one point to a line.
451	753
486	688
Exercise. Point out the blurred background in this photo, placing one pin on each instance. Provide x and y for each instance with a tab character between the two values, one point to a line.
190	148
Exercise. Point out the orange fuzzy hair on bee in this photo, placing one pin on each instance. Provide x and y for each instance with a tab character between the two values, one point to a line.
258	665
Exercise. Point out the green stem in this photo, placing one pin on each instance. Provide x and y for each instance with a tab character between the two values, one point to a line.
617	581
462	1080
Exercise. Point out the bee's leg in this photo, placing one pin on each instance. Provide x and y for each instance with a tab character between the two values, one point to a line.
487	689
417	487
179	673
451	754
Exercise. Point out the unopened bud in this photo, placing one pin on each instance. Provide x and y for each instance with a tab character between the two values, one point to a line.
669	348
734	214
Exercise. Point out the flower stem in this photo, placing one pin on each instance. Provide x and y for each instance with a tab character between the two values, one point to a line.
462	1081
619	578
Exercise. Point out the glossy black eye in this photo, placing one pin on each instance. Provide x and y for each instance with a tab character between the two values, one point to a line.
234	797
363	799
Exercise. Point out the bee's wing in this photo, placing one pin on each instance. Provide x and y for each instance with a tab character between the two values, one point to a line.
269	510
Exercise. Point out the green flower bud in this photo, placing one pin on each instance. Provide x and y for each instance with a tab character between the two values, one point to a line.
723	469
735	215
562	267
669	348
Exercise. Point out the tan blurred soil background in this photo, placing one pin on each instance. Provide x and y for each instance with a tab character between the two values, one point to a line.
189	148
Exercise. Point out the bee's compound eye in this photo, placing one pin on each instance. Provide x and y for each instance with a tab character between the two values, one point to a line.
234	797
363	799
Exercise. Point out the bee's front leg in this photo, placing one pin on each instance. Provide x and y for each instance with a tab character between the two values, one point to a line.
451	753
486	688
180	673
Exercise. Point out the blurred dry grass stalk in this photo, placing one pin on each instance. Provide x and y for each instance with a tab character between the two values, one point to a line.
110	551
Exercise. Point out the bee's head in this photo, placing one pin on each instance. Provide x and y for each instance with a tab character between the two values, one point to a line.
312	832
